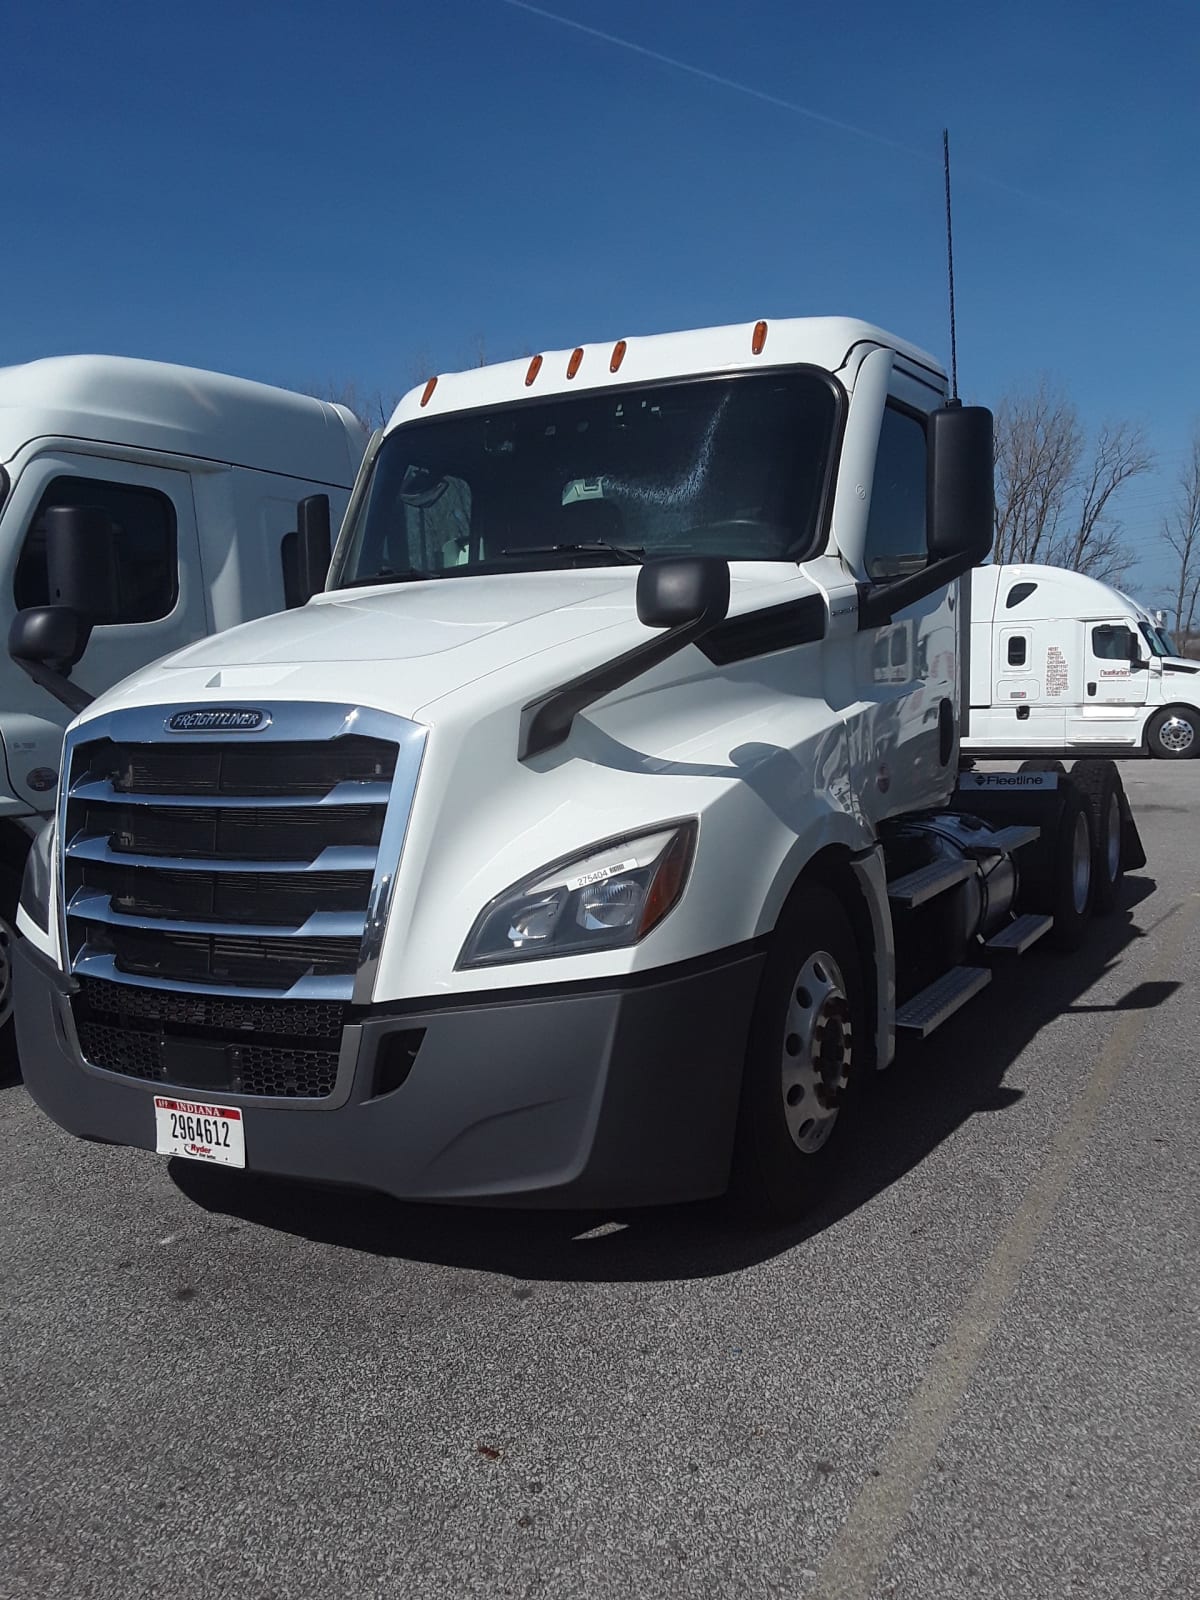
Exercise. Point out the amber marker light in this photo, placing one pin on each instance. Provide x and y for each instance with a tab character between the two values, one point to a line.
618	356
573	364
535	366
759	339
428	394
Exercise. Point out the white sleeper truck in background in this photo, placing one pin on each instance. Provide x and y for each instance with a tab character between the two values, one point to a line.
1065	665
591	837
194	477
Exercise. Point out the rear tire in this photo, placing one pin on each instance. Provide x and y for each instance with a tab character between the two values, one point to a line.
808	1056
1100	784
1174	734
1059	879
1043	764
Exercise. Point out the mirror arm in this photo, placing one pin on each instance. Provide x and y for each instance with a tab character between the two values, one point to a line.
878	604
546	722
57	684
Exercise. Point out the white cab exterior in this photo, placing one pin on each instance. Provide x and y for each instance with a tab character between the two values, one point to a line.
222	459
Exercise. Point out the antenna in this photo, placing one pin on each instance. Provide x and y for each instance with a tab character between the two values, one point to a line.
950	271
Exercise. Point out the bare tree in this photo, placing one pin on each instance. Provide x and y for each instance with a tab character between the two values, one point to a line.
1181	530
1038	446
372	407
1054	492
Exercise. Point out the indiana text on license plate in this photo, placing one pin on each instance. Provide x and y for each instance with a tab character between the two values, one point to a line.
200	1132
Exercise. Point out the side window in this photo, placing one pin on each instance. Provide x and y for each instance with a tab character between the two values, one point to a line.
1018	650
147	562
1110	643
896	527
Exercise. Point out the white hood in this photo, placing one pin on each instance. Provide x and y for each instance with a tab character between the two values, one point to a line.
431	639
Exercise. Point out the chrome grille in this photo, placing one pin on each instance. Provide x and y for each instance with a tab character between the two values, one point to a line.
230	868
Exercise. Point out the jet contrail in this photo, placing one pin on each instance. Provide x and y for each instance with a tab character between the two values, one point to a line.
775	100
715	77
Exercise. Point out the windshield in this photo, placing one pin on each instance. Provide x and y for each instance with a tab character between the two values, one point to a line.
1159	640
727	466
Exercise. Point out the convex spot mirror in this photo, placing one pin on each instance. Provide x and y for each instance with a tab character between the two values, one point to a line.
961	484
681	590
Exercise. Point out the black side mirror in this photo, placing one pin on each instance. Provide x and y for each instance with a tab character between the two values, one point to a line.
683	589
316	547
1136	659
85	590
81	562
961	484
46	642
683	595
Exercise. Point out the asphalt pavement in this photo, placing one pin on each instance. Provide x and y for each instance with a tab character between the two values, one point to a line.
975	1373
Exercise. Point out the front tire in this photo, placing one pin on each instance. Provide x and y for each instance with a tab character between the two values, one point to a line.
809	1053
1174	734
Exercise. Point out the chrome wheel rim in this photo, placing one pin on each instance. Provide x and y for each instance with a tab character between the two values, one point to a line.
1112	841
1081	864
1176	735
817	1052
6	999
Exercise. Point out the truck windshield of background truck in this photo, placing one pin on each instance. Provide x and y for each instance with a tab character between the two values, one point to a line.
1159	640
731	466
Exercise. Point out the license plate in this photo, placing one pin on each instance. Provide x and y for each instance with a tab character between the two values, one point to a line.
200	1132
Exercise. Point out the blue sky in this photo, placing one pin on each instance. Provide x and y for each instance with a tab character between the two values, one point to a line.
357	192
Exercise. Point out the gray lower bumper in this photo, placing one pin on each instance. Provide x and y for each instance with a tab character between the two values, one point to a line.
616	1096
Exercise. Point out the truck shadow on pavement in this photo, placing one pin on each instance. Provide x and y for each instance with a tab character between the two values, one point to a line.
929	1093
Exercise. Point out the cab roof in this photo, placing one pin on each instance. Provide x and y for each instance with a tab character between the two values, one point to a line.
154	405
831	343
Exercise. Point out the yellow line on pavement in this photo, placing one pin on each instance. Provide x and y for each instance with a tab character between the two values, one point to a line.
852	1564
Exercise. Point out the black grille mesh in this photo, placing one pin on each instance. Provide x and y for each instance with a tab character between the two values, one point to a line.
129	1030
237	769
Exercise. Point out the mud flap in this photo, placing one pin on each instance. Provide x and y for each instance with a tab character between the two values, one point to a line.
1133	852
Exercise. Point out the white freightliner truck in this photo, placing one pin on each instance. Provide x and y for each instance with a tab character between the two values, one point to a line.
1065	664
193	477
578	844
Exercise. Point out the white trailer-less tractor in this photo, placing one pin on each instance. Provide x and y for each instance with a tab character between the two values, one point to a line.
580	844
190	481
1065	664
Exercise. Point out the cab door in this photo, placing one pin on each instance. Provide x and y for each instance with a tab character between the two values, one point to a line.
1115	667
1116	685
906	734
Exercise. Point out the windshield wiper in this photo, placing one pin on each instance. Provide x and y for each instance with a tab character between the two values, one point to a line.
387	575
626	554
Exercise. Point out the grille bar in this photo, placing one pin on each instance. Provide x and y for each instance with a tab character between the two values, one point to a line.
89	963
333	858
89	906
351	793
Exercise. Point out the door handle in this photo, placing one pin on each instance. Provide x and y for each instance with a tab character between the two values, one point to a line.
1091	688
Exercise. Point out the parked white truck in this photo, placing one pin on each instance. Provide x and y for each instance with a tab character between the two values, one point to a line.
1065	665
193	479
574	846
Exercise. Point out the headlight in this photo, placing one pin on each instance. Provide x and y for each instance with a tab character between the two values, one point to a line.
611	896
35	886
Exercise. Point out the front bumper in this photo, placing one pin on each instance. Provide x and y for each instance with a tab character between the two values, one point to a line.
602	1096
